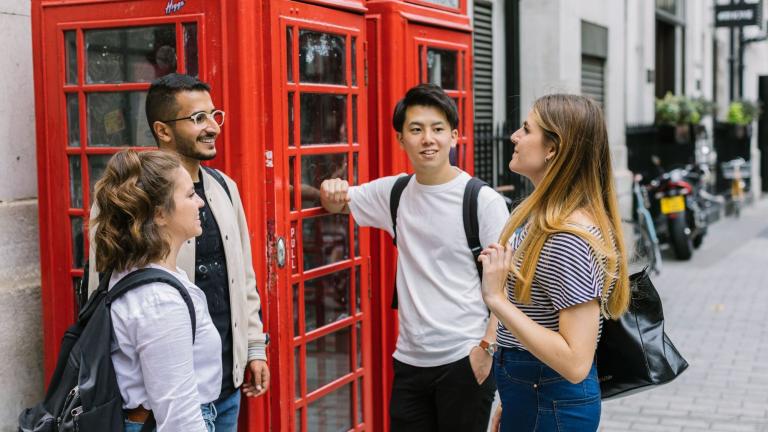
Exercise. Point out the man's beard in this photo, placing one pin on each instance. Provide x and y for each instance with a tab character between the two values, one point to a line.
189	149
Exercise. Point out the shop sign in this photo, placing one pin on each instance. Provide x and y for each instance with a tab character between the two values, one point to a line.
737	15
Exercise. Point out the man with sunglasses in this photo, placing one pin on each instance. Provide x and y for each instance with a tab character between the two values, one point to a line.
184	120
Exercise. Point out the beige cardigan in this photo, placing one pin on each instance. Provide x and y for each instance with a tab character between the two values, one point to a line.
247	329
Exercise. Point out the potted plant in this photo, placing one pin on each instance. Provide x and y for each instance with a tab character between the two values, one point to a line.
741	114
675	115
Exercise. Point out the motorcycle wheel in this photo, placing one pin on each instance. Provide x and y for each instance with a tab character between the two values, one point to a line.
681	242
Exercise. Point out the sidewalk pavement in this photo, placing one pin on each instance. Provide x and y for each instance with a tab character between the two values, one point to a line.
716	311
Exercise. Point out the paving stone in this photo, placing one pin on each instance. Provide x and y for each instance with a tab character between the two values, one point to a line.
714	307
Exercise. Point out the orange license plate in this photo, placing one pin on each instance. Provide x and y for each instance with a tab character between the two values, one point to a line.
673	204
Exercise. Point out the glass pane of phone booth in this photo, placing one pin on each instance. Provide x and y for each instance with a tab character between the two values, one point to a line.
102	116
445	66
322	93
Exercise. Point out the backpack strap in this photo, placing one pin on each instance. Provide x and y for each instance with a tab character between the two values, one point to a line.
146	276
394	202
219	179
471	224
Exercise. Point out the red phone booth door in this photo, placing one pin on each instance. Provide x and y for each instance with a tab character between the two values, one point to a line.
97	63
444	58
320	93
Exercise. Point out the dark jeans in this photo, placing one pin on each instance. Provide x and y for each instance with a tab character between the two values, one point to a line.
227	410
441	398
536	398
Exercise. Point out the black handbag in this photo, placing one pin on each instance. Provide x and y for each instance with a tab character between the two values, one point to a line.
634	353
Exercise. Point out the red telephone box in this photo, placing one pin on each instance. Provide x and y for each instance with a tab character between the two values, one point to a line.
409	42
321	297
308	87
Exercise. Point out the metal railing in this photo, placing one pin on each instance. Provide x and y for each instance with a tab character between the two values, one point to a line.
493	151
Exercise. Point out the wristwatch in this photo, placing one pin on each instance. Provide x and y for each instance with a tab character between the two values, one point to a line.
489	347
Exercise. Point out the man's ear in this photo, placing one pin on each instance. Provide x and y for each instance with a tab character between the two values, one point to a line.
454	137
399	138
163	132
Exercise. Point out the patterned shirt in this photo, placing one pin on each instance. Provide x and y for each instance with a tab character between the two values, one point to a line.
567	274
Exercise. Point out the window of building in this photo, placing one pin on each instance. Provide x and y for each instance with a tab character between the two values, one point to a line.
594	53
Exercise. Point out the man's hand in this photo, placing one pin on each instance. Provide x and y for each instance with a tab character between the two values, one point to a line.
259	380
333	195
481	364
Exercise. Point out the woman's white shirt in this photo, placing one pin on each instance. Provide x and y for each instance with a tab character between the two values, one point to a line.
156	363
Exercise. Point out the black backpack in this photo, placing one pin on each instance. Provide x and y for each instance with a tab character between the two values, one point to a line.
469	212
83	394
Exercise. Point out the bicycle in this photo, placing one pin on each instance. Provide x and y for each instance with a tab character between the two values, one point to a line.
646	250
736	170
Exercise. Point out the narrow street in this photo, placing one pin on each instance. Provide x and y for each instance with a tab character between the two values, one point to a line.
715	307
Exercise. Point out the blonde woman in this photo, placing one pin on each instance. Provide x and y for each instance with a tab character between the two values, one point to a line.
560	271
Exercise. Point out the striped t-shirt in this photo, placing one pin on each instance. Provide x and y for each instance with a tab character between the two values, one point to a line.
567	274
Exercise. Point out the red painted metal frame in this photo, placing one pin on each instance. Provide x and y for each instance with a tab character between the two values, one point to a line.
341	20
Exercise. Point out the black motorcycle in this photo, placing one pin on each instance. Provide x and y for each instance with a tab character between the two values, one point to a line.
679	218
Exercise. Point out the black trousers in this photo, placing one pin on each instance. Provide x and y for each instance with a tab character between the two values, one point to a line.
441	398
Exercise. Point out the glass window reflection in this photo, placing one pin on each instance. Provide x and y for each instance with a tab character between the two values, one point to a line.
321	58
96	166
353	50
449	3
191	61
323	119
289	52
130	54
70	42
332	412
297	371
117	120
75	182
326	240
78	251
326	300
328	359
359	401
73	120
315	169
441	68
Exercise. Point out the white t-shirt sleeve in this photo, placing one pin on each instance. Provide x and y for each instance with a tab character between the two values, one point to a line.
163	341
492	215
369	203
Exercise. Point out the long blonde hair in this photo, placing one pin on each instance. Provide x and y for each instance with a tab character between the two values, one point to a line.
578	177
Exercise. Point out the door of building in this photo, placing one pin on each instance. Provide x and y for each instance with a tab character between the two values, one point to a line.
323	320
97	64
